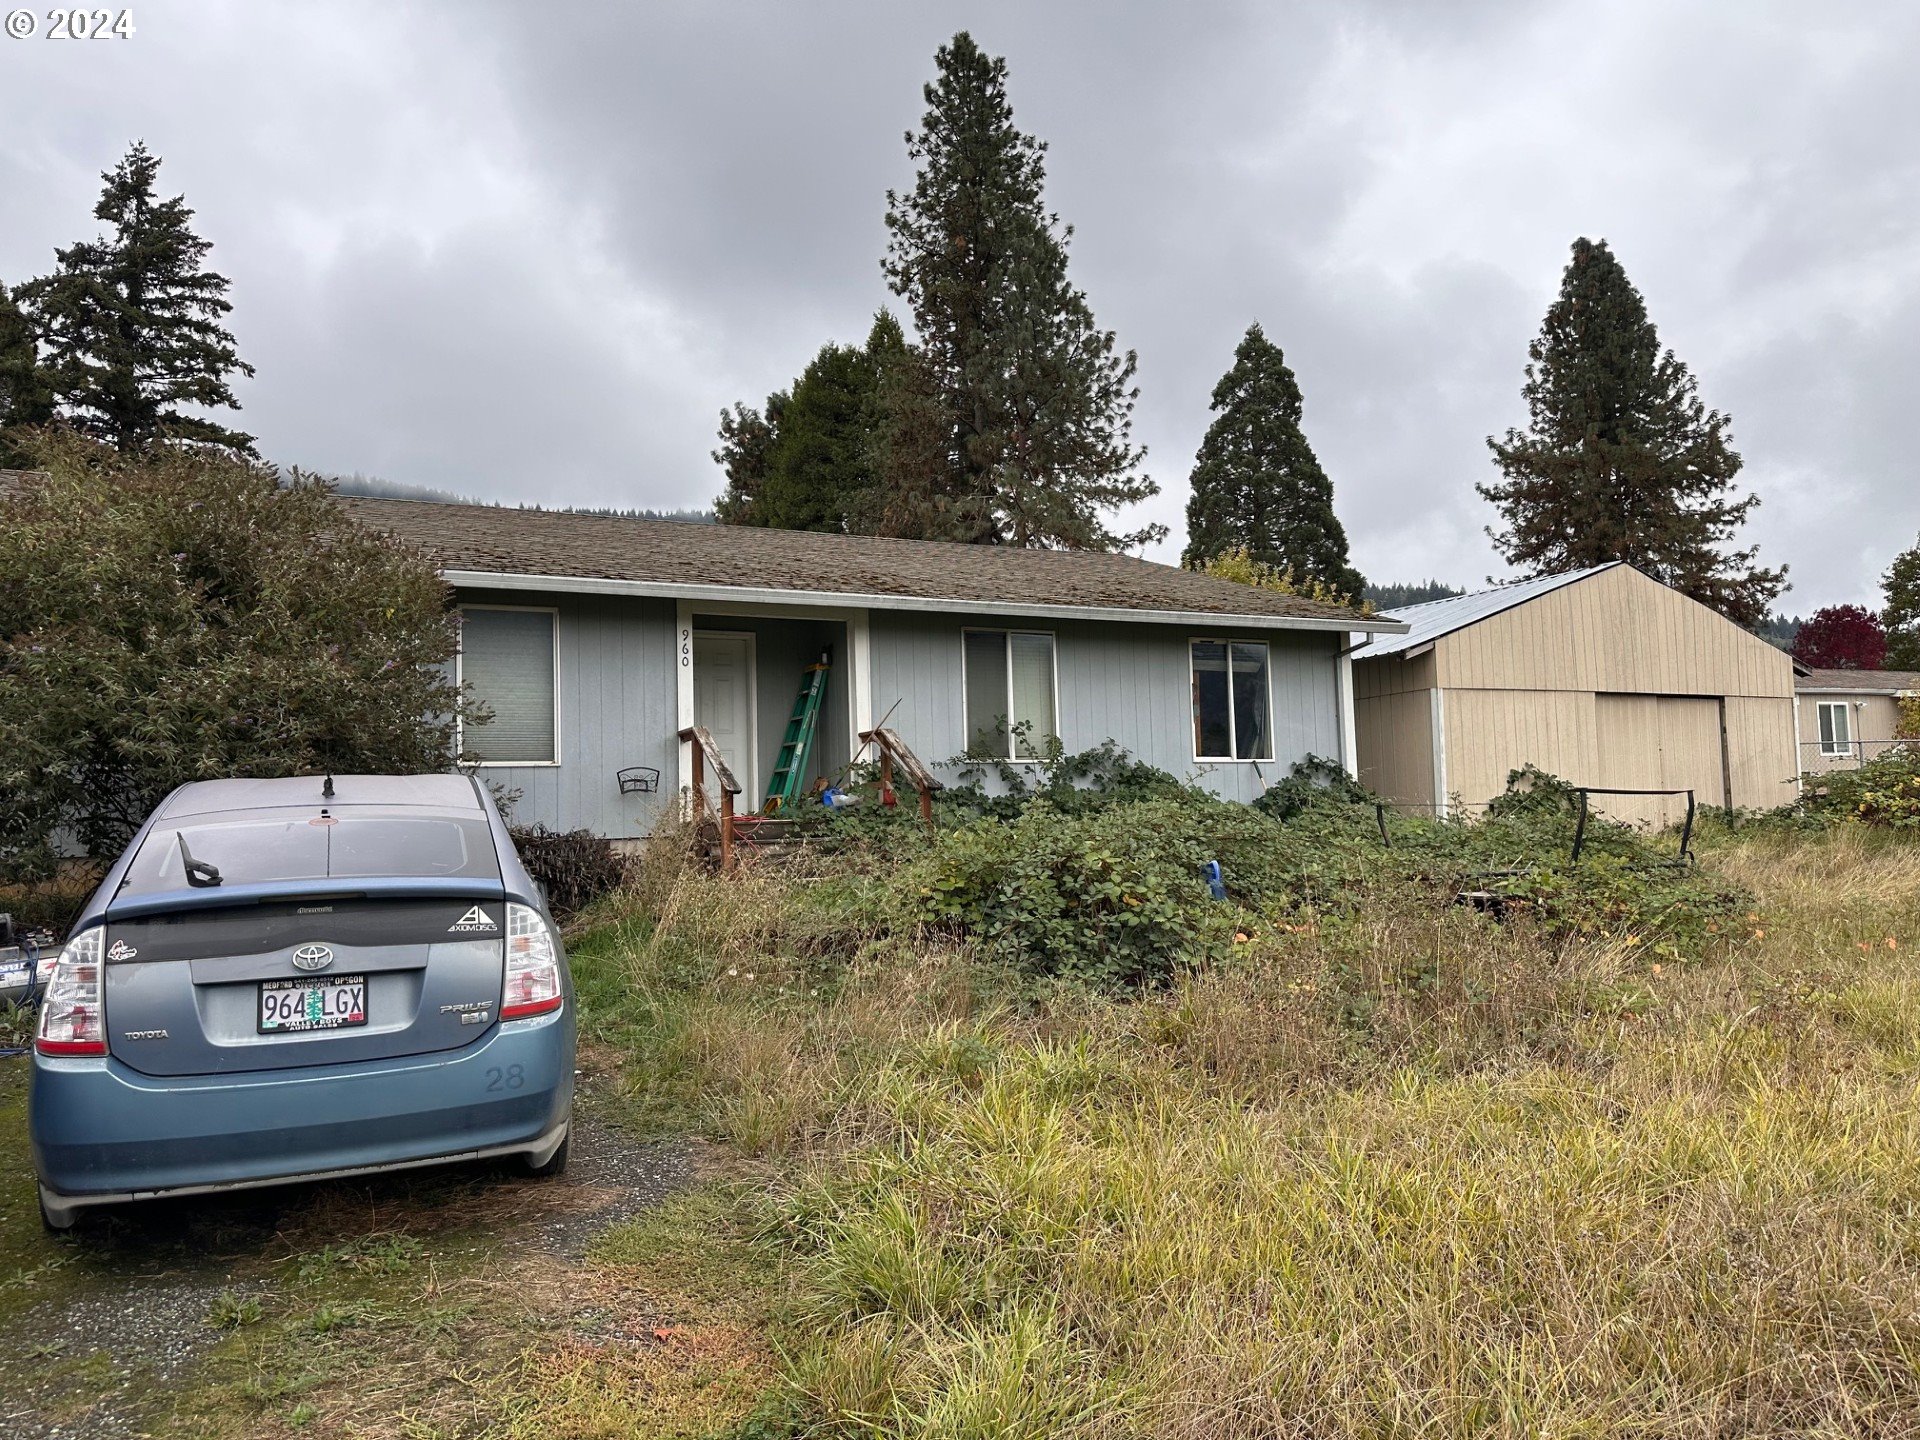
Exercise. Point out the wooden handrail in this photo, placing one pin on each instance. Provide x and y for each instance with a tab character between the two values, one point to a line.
706	753
893	750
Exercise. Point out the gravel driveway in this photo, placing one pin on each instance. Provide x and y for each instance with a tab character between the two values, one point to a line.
92	1327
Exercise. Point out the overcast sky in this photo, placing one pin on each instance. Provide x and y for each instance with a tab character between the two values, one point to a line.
528	251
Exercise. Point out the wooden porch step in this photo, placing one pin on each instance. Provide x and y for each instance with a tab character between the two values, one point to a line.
761	836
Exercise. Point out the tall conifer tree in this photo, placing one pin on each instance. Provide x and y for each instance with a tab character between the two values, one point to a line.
26	396
807	462
1257	485
916	496
1037	401
132	322
745	453
1620	460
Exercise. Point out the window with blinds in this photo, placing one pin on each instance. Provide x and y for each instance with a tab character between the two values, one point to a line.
507	661
1009	690
1231	700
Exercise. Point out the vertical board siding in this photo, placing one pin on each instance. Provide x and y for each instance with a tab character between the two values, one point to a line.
1491	733
1125	683
1692	752
1394	733
617	708
1629	757
1615	632
1760	752
1391	675
1615	680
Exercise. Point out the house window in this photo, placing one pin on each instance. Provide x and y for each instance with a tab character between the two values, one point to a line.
507	662
1231	700
1836	727
1009	684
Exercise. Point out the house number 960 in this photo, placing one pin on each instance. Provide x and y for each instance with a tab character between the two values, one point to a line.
686	648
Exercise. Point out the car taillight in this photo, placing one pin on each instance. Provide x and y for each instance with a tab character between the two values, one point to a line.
533	966
70	1018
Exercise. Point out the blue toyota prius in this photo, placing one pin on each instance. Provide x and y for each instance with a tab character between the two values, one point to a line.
295	979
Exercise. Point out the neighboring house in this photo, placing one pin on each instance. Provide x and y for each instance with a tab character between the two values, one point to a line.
596	639
1603	677
1847	716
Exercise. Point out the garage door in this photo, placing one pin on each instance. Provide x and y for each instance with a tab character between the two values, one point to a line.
1660	742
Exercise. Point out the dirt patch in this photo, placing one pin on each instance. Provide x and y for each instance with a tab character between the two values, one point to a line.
104	1332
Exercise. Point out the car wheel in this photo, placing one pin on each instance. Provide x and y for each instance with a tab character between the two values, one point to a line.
554	1164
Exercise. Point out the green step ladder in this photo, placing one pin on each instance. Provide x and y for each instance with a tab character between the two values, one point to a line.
790	770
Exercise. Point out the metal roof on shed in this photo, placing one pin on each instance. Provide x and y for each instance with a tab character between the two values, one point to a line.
1436	618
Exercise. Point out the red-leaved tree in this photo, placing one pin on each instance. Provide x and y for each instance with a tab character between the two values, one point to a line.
1842	637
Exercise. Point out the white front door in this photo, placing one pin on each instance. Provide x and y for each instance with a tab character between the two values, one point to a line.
723	701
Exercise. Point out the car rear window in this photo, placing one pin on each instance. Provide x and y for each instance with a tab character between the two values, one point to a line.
301	846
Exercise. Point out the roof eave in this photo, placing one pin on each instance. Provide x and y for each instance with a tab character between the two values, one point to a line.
754	595
1803	688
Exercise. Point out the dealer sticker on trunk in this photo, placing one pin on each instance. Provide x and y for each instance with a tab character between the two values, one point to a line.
475	921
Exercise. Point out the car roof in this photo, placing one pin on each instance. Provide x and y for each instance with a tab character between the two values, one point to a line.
213	797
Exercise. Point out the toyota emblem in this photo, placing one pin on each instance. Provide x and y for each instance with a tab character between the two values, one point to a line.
312	957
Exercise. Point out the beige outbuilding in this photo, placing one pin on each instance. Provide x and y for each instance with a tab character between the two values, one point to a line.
1604	677
1848	717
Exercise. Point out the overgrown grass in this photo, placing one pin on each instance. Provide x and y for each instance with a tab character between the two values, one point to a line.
1383	1170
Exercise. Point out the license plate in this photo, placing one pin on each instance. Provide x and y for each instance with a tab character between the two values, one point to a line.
334	1003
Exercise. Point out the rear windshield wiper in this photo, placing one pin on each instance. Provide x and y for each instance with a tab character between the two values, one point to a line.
200	874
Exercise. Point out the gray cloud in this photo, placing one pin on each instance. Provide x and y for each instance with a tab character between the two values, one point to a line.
530	251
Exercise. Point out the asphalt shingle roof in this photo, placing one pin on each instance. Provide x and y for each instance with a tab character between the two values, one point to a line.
1861	682
500	541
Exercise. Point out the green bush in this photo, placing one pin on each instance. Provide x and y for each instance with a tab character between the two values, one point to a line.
1072	783
1675	911
1116	894
1112	896
1312	781
177	616
1885	791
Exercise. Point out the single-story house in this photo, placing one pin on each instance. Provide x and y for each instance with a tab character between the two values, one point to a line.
1604	677
1847	716
595	640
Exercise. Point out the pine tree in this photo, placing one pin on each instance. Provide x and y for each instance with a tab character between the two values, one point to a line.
807	462
1037	402
1621	460
1901	616
26	396
1257	486
821	469
1391	596
747	438
131	322
916	497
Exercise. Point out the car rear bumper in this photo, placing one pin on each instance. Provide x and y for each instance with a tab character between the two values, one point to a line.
103	1132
